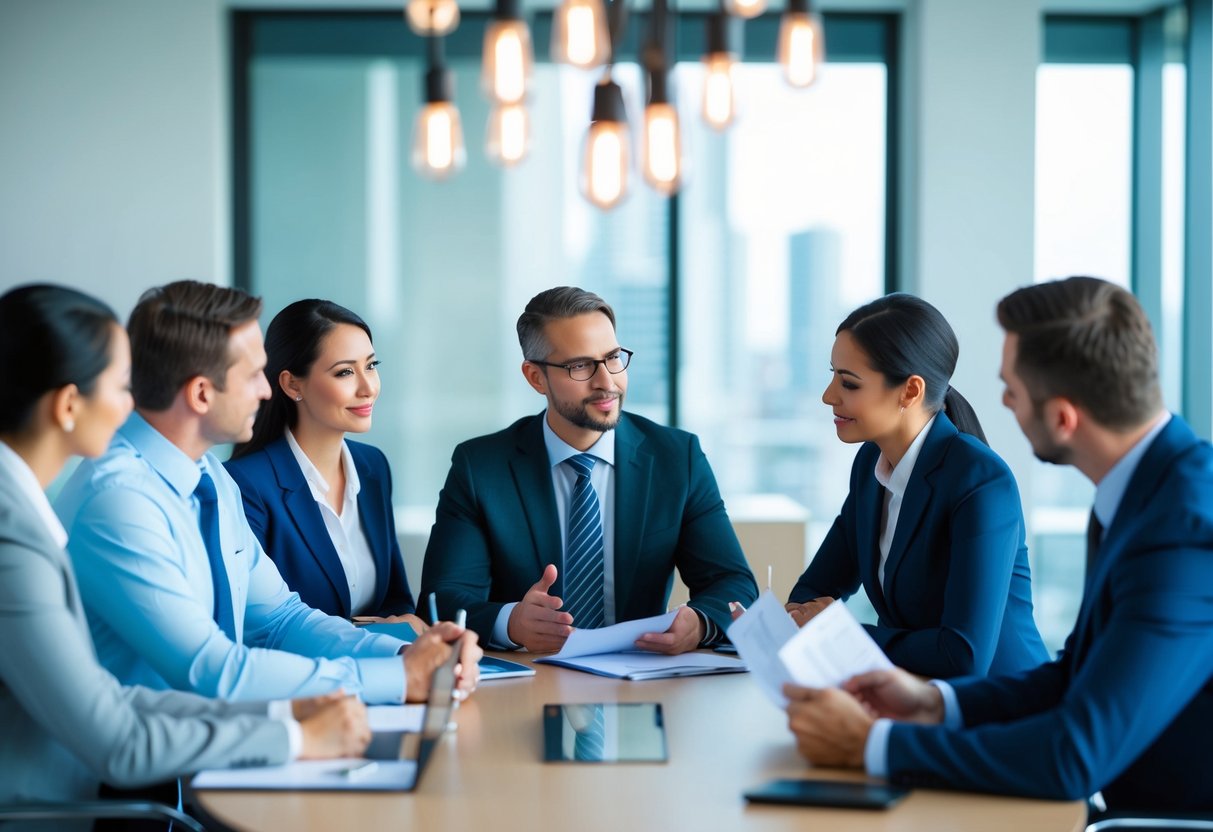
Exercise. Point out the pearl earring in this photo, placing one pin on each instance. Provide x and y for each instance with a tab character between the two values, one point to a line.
69	425
903	408
299	398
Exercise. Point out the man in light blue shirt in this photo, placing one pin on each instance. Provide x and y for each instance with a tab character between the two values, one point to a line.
1126	709
178	591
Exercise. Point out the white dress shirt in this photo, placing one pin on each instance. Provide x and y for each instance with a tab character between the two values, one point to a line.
345	529
894	481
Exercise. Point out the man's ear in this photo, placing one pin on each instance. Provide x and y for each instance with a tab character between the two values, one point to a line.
536	376
198	394
1062	418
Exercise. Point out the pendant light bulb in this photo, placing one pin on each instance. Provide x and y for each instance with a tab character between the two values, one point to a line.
508	55
719	107
604	180
800	44
430	18
579	34
745	8
662	148
438	149
509	134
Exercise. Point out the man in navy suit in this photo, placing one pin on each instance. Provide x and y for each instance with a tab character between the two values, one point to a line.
1127	707
578	516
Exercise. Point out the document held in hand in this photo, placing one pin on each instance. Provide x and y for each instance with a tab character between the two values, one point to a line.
824	653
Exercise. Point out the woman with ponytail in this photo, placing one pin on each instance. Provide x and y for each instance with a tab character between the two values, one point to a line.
933	527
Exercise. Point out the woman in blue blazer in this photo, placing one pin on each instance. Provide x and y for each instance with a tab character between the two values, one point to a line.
321	505
933	527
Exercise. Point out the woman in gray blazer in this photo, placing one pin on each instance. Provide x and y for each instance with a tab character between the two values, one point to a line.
65	722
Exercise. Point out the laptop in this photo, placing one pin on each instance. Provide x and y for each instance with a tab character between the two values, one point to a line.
393	762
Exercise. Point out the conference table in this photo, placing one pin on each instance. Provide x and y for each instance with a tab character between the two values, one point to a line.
723	737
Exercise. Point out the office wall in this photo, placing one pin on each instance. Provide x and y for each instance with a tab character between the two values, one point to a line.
968	206
113	144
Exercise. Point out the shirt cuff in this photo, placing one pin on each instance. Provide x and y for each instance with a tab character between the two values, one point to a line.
876	750
953	719
383	680
282	710
501	629
711	633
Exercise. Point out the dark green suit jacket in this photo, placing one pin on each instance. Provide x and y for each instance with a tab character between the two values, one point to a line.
497	527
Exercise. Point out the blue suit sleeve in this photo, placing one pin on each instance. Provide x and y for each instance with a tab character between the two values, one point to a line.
1149	659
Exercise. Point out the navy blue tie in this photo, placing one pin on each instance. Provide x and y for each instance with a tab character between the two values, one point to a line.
583	566
208	523
1094	538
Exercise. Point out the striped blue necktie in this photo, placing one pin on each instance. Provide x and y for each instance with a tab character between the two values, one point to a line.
583	566
208	523
589	744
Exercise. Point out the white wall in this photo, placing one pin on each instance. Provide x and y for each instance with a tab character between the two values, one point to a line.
969	203
113	144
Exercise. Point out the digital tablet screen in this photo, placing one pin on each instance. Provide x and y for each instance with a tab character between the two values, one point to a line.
836	793
624	732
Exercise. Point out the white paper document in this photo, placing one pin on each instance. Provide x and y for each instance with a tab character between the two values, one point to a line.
824	653
640	666
758	634
324	775
613	639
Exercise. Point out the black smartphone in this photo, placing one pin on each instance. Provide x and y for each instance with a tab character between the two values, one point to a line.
836	793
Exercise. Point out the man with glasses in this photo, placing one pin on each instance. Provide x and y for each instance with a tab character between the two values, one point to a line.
578	516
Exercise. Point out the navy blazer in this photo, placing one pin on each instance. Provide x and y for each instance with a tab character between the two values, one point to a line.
957	594
284	516
497	527
1127	707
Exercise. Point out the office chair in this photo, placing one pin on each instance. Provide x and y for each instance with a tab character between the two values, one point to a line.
98	809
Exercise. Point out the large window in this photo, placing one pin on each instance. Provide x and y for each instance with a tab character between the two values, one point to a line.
1110	124
729	294
788	237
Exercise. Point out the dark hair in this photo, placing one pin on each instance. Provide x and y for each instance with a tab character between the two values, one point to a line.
50	337
1089	341
180	331
292	343
550	305
905	336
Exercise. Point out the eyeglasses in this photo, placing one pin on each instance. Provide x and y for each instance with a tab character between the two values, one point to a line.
584	369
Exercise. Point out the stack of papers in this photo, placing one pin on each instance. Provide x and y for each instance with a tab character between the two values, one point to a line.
824	653
610	651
